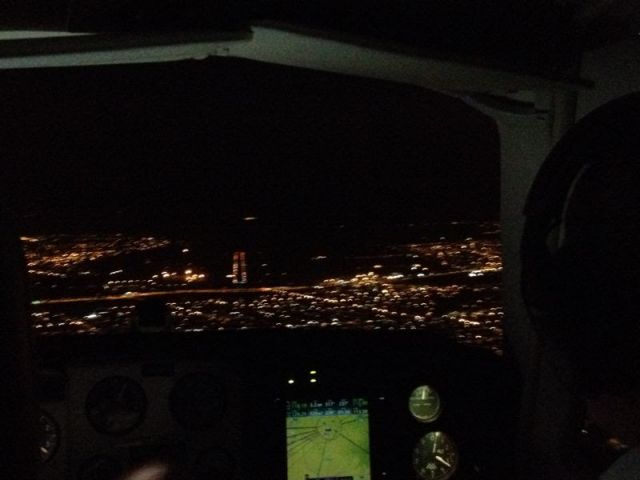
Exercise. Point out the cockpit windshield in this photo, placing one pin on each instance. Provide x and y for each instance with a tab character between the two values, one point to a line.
226	195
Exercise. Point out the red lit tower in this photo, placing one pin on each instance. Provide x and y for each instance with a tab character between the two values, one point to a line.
239	268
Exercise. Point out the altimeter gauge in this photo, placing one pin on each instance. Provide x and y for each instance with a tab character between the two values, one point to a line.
116	405
214	463
197	401
49	433
100	467
425	404
435	457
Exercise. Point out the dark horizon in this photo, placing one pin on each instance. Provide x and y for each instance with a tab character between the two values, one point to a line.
197	145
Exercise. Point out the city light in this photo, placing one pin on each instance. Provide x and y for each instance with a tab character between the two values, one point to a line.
449	286
239	268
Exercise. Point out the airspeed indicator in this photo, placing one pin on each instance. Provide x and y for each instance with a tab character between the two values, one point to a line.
435	457
424	404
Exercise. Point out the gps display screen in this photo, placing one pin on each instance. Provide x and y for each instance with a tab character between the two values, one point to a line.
328	440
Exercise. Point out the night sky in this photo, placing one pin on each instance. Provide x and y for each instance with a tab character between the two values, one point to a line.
201	144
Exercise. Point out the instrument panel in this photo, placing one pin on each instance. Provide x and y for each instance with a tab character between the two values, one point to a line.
116	417
230	411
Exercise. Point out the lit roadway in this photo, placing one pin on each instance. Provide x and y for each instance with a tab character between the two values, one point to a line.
219	291
138	295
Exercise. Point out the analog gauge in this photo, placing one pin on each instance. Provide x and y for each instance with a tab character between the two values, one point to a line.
424	404
49	436
100	467
197	401
435	457
214	463
116	405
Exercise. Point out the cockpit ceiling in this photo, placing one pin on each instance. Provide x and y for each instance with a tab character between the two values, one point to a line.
531	36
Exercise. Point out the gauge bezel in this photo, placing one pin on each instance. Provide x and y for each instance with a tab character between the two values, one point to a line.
438	411
140	418
85	466
452	444
227	460
58	432
180	389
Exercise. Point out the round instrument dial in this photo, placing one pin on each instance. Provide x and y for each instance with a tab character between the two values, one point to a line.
116	405
425	404
214	463
197	401
100	467
49	436
435	457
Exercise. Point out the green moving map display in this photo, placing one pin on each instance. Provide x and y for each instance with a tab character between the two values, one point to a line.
328	440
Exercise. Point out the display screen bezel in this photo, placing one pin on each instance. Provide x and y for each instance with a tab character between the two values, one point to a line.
331	408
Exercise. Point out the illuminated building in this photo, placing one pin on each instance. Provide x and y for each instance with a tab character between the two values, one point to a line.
448	286
239	271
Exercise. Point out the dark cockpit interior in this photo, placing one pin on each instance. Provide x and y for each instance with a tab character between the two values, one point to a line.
261	240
